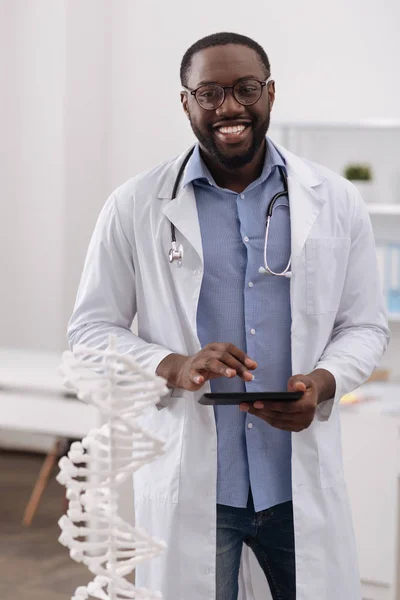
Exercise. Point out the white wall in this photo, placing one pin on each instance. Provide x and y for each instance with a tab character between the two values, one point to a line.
32	173
7	152
331	60
53	149
87	127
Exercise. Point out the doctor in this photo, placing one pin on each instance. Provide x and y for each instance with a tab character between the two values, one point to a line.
267	478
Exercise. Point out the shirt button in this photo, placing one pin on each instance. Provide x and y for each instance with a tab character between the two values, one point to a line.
249	425
251	284
242	196
245	239
252	331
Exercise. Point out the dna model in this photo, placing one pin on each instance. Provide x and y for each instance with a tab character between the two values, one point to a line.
95	467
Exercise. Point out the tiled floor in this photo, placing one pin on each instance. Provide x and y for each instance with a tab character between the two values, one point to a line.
33	565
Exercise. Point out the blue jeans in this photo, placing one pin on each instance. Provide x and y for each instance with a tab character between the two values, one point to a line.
269	534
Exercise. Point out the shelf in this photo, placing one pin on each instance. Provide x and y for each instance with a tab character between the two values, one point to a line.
384	209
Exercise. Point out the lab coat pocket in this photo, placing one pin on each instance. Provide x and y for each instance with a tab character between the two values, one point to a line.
326	264
159	480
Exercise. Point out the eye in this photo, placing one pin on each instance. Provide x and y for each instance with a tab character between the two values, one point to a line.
248	89
207	92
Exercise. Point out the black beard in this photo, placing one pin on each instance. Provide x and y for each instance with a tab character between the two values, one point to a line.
232	162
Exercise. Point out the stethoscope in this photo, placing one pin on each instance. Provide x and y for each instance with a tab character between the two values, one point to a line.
175	253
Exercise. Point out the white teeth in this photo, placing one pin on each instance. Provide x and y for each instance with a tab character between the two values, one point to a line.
234	129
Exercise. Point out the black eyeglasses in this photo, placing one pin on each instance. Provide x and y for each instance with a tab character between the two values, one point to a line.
212	95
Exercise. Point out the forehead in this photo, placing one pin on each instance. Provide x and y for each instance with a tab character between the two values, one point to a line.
225	65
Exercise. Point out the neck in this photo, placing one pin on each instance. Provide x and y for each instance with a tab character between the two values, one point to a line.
238	179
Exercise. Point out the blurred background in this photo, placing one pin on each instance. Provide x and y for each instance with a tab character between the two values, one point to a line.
89	96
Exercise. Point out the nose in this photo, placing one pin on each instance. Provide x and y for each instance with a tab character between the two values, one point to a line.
230	106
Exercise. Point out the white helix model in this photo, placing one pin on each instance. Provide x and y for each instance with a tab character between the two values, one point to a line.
95	467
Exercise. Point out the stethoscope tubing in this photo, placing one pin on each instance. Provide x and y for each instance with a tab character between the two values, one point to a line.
176	252
176	185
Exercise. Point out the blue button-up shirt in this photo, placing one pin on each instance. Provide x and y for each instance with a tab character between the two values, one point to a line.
237	304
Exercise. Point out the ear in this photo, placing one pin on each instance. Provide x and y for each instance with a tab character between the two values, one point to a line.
184	102
271	93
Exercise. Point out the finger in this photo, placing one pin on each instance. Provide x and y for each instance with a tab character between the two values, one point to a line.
215	366
287	423
241	356
277	409
273	417
299	383
291	407
196	377
203	362
293	427
234	363
274	408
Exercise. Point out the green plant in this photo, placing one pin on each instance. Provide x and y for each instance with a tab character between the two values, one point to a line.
358	172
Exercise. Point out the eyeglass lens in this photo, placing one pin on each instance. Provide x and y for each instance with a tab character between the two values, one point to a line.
245	92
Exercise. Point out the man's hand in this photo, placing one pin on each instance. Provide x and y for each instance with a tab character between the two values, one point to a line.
214	360
298	415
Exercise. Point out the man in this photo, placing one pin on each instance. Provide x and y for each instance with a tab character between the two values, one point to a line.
268	476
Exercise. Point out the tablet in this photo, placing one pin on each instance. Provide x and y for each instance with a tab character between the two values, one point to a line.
232	399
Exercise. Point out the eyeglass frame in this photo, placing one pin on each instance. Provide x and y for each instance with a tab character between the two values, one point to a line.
229	87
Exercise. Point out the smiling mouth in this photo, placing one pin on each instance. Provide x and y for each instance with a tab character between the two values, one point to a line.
233	133
234	129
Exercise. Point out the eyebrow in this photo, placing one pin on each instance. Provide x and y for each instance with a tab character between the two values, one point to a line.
237	80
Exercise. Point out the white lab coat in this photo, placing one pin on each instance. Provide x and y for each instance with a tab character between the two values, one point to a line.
338	323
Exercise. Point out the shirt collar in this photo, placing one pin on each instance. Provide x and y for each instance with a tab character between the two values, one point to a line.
196	169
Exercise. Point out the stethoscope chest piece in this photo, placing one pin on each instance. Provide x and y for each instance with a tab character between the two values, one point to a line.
176	253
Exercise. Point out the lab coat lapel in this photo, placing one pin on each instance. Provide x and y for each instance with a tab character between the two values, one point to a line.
305	200
305	206
182	212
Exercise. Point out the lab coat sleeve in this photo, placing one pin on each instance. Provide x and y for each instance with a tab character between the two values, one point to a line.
360	335
106	298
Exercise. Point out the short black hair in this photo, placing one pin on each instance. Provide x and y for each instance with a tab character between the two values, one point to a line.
221	39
